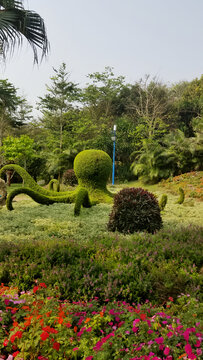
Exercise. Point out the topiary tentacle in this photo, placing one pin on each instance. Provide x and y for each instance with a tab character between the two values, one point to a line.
40	198
82	198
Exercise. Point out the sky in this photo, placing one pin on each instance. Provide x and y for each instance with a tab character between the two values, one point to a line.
162	38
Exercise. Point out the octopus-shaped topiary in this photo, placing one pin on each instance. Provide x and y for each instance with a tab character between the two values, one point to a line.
92	168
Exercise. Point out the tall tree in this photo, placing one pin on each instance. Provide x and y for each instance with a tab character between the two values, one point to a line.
57	108
148	105
8	104
17	23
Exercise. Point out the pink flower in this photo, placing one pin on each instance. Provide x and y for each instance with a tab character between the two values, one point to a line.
166	351
75	348
89	358
159	340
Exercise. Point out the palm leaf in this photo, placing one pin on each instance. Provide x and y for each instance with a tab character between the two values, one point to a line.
17	23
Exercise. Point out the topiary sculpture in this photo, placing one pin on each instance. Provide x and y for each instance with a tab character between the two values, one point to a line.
53	182
3	192
163	202
181	196
43	196
93	168
134	210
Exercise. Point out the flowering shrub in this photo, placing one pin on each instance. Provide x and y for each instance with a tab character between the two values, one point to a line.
37	325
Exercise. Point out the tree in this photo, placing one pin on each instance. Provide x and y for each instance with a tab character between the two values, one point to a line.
57	109
17	23
100	96
8	104
190	106
149	105
18	150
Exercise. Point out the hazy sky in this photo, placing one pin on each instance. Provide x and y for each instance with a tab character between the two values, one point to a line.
135	37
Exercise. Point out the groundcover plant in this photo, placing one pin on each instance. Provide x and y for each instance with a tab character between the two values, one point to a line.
37	325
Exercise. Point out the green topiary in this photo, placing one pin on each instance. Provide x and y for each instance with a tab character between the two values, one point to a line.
69	178
181	197
134	210
53	182
163	201
93	168
79	196
3	192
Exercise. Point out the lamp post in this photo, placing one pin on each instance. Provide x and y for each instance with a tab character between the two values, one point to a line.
113	138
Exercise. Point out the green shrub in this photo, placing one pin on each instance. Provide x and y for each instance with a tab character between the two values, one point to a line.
163	201
53	182
135	209
69	178
181	196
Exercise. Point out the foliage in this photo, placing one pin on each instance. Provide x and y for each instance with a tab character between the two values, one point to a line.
181	196
84	260
163	202
192	184
56	107
135	209
17	23
18	150
36	324
93	168
69	178
9	102
53	182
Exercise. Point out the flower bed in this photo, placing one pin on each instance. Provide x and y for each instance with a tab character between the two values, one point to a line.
38	325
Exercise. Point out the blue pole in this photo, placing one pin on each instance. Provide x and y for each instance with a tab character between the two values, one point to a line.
114	152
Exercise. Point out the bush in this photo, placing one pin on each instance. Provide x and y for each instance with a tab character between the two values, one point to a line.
134	210
163	201
181	196
69	178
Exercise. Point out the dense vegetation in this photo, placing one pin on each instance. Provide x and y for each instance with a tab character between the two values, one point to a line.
159	127
87	283
72	288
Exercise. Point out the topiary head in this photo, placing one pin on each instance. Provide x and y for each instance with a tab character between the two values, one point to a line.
135	209
93	168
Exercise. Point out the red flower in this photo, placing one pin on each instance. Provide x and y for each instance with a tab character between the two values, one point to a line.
43	285
16	353
35	289
5	343
56	346
143	316
44	335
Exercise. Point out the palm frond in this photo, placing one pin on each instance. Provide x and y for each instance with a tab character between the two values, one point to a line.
17	23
